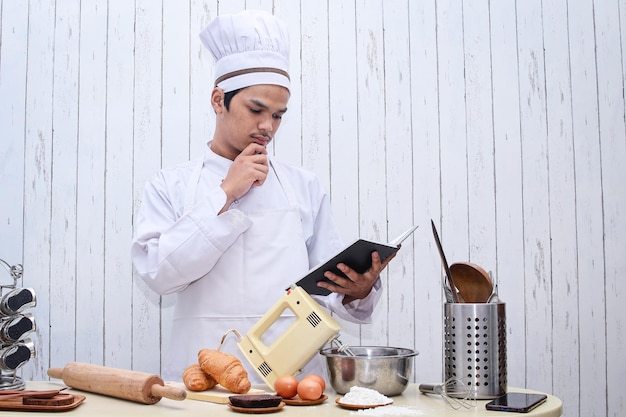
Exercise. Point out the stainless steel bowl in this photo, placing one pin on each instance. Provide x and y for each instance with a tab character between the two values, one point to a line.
384	369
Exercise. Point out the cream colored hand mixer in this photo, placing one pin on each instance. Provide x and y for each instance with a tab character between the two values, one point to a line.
311	329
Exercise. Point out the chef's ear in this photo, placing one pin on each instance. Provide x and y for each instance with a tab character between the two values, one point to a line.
217	100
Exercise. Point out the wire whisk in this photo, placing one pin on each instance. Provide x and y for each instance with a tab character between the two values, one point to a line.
455	392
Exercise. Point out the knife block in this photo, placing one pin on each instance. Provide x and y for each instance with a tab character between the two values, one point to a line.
15	349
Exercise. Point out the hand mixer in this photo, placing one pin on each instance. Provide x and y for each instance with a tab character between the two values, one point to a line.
312	328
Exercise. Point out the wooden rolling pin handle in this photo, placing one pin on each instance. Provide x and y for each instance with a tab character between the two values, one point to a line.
56	373
170	392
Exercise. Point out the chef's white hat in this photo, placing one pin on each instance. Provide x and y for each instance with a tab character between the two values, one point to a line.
250	47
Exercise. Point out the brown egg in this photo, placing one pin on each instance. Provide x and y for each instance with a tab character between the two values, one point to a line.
286	386
318	378
309	389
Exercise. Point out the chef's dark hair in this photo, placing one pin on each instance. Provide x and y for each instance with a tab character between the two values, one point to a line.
229	96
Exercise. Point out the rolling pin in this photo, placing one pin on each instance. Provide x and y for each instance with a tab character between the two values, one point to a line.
120	383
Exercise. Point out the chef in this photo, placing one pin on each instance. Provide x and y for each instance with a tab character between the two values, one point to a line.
229	232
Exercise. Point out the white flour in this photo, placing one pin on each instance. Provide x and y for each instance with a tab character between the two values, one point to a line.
387	410
364	396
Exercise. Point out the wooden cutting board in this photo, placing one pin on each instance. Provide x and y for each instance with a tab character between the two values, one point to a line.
49	405
217	394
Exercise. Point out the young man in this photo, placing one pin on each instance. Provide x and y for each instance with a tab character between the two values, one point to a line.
229	233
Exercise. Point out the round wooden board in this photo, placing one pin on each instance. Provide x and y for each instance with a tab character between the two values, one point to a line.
298	401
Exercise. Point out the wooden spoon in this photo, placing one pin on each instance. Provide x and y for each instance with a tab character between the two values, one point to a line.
472	281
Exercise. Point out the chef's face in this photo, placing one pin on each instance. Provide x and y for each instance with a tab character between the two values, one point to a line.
254	115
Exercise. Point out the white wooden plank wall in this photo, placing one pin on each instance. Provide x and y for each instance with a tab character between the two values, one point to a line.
503	121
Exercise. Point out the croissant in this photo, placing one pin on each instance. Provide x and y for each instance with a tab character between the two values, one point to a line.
196	379
226	369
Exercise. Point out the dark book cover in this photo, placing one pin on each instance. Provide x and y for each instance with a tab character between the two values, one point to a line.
357	255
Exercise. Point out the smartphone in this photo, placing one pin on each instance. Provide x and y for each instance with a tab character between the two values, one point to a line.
517	402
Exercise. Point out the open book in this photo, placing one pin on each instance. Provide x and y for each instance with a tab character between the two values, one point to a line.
357	255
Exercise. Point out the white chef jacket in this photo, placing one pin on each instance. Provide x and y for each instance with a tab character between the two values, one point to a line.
228	270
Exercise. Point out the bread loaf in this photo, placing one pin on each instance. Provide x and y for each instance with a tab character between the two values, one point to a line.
196	379
226	369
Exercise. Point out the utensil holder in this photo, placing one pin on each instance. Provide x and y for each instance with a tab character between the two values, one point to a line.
475	347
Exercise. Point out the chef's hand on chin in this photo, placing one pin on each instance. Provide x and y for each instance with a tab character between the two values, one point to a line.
356	286
249	169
